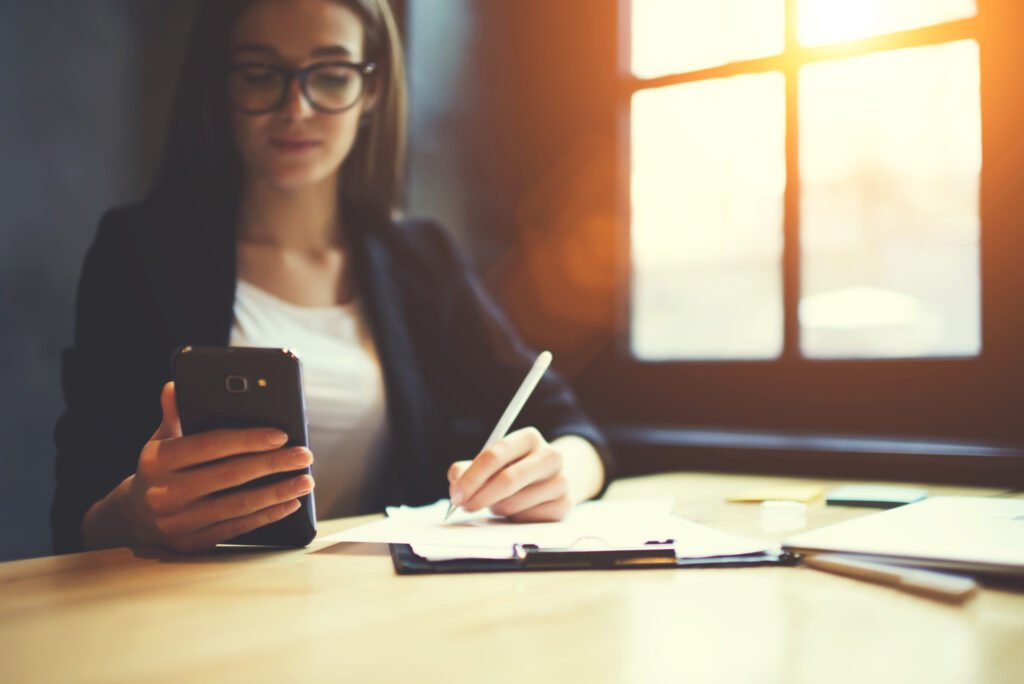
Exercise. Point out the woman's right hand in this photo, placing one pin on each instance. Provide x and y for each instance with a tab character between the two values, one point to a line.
175	497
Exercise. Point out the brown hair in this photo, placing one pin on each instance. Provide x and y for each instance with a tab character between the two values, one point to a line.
373	169
201	163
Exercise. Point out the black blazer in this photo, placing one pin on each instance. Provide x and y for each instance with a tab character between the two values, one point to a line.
157	278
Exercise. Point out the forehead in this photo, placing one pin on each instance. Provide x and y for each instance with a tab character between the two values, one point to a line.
295	28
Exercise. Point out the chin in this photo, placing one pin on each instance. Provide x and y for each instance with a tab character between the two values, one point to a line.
297	178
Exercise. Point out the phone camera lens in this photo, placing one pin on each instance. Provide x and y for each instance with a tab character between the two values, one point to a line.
236	384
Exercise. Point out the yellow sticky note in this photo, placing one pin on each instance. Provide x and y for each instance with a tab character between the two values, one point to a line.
801	493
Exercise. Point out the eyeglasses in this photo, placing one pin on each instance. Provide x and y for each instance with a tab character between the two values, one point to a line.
329	87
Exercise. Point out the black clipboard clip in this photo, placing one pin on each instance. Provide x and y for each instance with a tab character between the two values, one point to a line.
592	552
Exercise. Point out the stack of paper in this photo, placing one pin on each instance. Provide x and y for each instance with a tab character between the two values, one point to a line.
595	524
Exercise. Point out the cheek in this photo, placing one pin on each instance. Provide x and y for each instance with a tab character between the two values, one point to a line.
340	133
249	132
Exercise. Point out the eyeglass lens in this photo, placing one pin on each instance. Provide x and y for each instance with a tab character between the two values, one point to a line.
259	89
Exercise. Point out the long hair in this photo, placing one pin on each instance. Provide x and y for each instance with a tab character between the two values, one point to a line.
201	163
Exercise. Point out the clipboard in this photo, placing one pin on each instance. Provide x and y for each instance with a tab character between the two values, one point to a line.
529	558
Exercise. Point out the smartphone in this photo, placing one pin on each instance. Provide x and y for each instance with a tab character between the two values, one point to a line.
244	387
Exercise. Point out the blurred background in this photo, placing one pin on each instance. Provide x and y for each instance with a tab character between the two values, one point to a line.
768	235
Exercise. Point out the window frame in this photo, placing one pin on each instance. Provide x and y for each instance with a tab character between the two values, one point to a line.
968	398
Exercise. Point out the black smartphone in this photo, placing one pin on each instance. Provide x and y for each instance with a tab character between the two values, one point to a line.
244	387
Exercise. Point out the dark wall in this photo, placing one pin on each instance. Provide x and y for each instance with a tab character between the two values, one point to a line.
86	85
513	147
506	95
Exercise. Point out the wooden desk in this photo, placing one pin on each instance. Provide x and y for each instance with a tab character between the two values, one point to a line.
339	613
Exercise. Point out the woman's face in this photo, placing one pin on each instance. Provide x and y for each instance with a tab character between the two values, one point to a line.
296	145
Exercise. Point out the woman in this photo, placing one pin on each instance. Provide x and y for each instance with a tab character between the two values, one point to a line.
271	224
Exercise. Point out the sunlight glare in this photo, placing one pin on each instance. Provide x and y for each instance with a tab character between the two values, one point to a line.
684	35
831	21
709	173
890	163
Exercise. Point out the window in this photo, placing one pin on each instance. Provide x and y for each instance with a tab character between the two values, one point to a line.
819	206
886	149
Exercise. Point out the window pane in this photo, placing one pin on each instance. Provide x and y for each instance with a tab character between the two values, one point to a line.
670	36
831	21
708	177
890	160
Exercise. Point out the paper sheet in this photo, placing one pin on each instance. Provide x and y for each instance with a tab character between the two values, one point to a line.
595	524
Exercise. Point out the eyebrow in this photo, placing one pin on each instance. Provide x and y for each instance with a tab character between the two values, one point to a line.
323	51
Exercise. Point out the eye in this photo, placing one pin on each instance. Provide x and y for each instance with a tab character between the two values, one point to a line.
259	77
328	79
335	78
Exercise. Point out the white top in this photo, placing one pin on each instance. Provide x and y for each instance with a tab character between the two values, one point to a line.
343	383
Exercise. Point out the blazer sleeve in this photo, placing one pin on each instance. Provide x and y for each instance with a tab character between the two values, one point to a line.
108	414
485	357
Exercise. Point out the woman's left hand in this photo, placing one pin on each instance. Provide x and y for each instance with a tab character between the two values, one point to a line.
521	477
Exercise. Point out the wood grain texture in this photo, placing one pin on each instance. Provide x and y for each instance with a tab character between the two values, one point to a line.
338	612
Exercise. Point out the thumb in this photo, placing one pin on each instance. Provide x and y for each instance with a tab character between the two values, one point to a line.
170	426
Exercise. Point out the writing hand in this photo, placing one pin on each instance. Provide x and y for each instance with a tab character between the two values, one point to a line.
520	477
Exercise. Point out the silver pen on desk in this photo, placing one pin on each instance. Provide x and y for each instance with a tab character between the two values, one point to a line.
937	585
514	407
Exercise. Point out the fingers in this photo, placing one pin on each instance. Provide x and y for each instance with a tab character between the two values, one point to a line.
213	445
551	511
490	461
456	470
534	495
228	529
170	426
540	465
218	508
195	483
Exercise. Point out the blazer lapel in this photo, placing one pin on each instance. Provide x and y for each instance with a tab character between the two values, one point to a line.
374	270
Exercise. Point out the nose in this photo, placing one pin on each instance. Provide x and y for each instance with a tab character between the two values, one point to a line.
295	104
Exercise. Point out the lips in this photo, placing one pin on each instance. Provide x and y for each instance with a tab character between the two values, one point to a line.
293	144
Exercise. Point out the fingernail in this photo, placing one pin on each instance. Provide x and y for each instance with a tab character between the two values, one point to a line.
302	456
276	438
456	496
304	484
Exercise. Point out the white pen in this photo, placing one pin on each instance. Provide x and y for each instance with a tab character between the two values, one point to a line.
942	586
514	406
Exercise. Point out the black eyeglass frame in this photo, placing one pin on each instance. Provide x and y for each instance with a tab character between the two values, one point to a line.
364	69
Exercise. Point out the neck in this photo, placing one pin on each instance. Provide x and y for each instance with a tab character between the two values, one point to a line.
306	219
